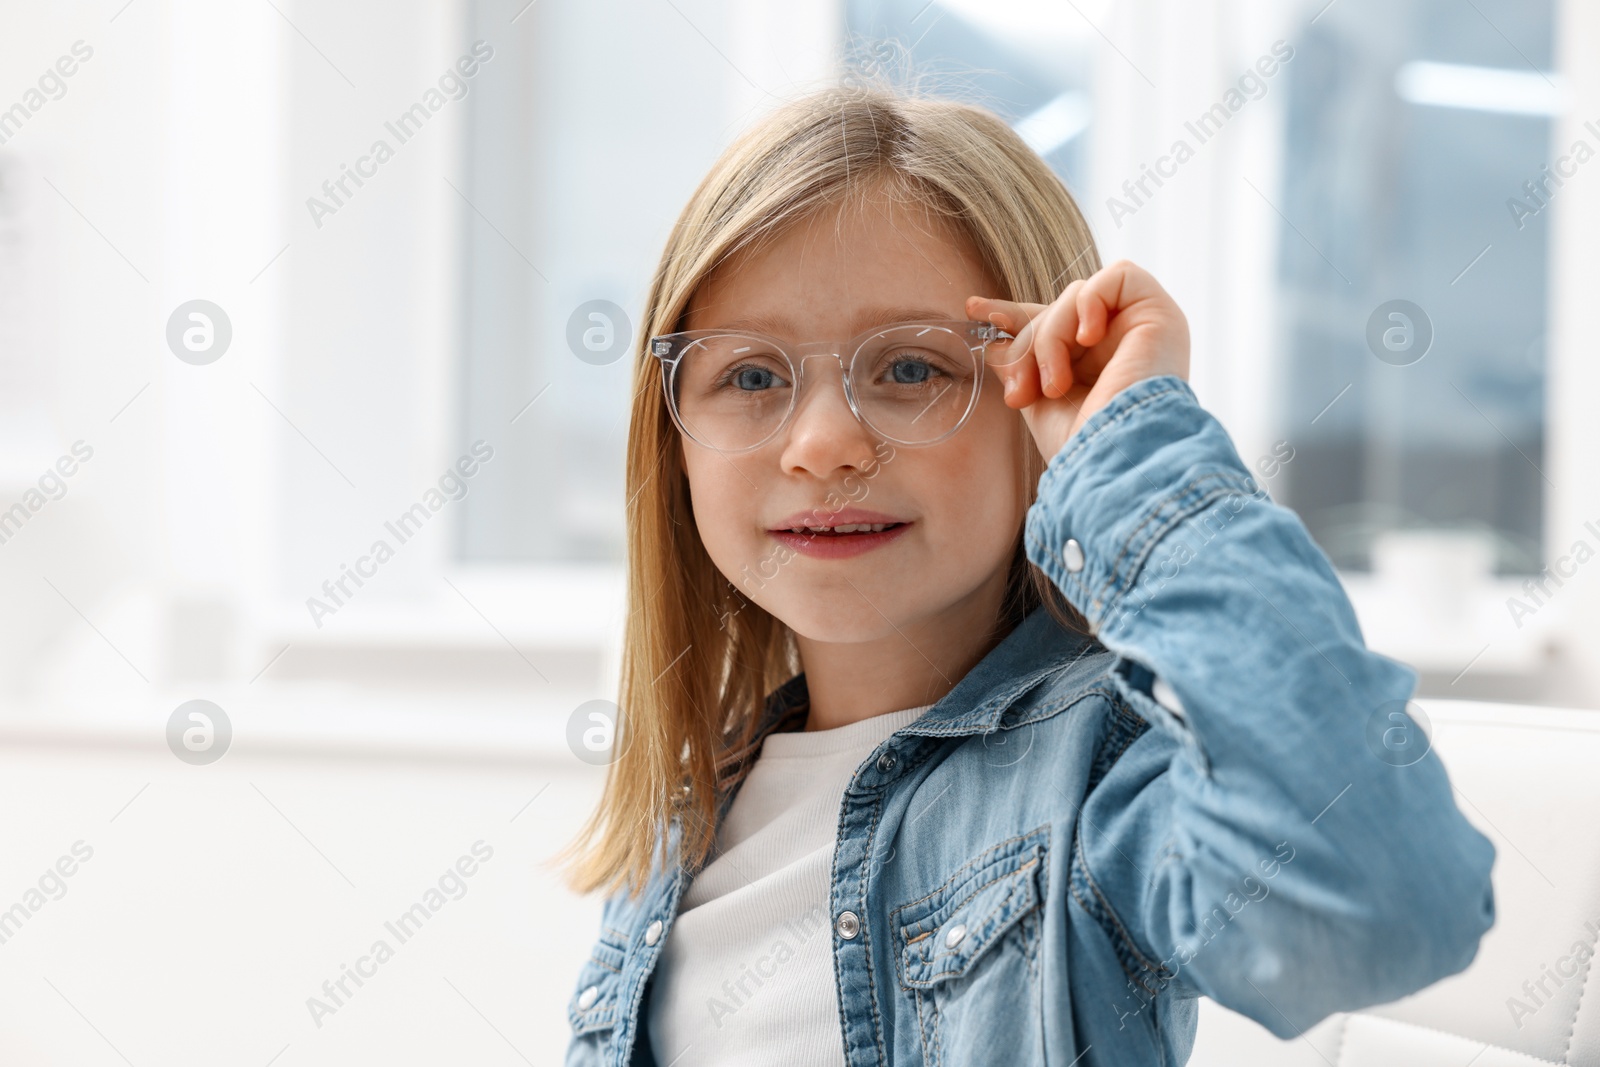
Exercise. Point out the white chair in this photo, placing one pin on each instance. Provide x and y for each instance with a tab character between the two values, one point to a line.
1529	778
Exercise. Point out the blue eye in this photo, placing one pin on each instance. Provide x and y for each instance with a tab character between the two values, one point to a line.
753	379
911	371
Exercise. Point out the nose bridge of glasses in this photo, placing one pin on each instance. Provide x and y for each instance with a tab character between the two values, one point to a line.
831	355
808	392
823	350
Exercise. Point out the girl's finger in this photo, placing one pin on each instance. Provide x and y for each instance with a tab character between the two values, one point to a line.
1009	360
1011	315
1109	290
1054	338
1094	315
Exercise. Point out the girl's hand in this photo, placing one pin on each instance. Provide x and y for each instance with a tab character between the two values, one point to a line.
1069	358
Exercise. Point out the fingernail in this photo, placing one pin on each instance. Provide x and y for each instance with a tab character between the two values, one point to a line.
1044	378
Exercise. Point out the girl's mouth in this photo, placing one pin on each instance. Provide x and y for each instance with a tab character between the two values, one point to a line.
841	541
846	529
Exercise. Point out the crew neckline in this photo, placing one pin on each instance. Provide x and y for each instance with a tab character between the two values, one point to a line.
852	736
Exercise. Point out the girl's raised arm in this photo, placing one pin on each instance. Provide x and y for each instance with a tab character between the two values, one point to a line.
1282	841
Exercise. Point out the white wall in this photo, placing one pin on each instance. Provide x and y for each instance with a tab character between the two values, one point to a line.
216	901
426	713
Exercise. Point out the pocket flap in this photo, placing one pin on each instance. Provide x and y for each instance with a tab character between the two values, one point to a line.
944	933
593	1004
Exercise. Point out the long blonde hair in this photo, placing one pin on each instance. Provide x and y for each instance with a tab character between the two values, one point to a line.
698	660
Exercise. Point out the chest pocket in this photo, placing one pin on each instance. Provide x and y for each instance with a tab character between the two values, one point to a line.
592	1008
968	956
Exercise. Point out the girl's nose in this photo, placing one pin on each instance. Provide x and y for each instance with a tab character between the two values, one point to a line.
824	434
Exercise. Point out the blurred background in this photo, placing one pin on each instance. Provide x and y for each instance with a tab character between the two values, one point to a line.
241	344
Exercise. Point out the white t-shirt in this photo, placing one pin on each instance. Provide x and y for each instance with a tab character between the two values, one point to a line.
746	974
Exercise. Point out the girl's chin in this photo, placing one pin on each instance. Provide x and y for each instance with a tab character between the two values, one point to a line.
830	632
845	616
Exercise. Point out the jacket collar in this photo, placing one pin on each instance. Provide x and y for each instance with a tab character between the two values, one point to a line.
1038	648
1035	649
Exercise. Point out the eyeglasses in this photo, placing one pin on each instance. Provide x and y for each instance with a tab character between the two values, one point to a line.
911	383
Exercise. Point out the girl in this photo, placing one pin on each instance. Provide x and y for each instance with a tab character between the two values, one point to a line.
977	706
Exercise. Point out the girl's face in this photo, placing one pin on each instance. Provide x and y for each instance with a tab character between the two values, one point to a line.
958	503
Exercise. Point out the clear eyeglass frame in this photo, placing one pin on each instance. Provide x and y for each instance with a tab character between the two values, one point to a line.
670	349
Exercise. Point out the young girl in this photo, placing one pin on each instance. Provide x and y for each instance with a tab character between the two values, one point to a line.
977	705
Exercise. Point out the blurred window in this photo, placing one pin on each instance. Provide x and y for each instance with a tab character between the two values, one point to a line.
1417	166
1029	61
1418	136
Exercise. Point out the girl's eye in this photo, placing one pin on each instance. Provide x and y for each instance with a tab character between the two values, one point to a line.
752	379
911	370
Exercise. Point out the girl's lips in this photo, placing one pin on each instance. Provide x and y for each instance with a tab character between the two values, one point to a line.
837	546
845	516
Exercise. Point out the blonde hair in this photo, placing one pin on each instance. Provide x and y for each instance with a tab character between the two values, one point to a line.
695	674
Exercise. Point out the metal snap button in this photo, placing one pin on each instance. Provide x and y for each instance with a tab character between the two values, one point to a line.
953	938
1072	555
652	933
848	925
587	998
886	762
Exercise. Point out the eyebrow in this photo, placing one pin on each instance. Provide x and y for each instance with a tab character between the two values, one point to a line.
866	319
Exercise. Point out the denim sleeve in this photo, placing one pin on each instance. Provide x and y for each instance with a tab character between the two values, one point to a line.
1271	839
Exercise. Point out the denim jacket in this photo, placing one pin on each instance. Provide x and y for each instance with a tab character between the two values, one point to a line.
1218	793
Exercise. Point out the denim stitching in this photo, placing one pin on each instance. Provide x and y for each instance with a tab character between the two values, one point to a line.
1229	486
1066	458
866	942
1118	949
595	1017
1032	923
999	906
1123	731
964	901
1139	544
1150	516
1105	590
1057	705
1118	416
981	859
1136	542
928	1028
629	1025
1111	913
1105	914
1028	925
964	725
1181	512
